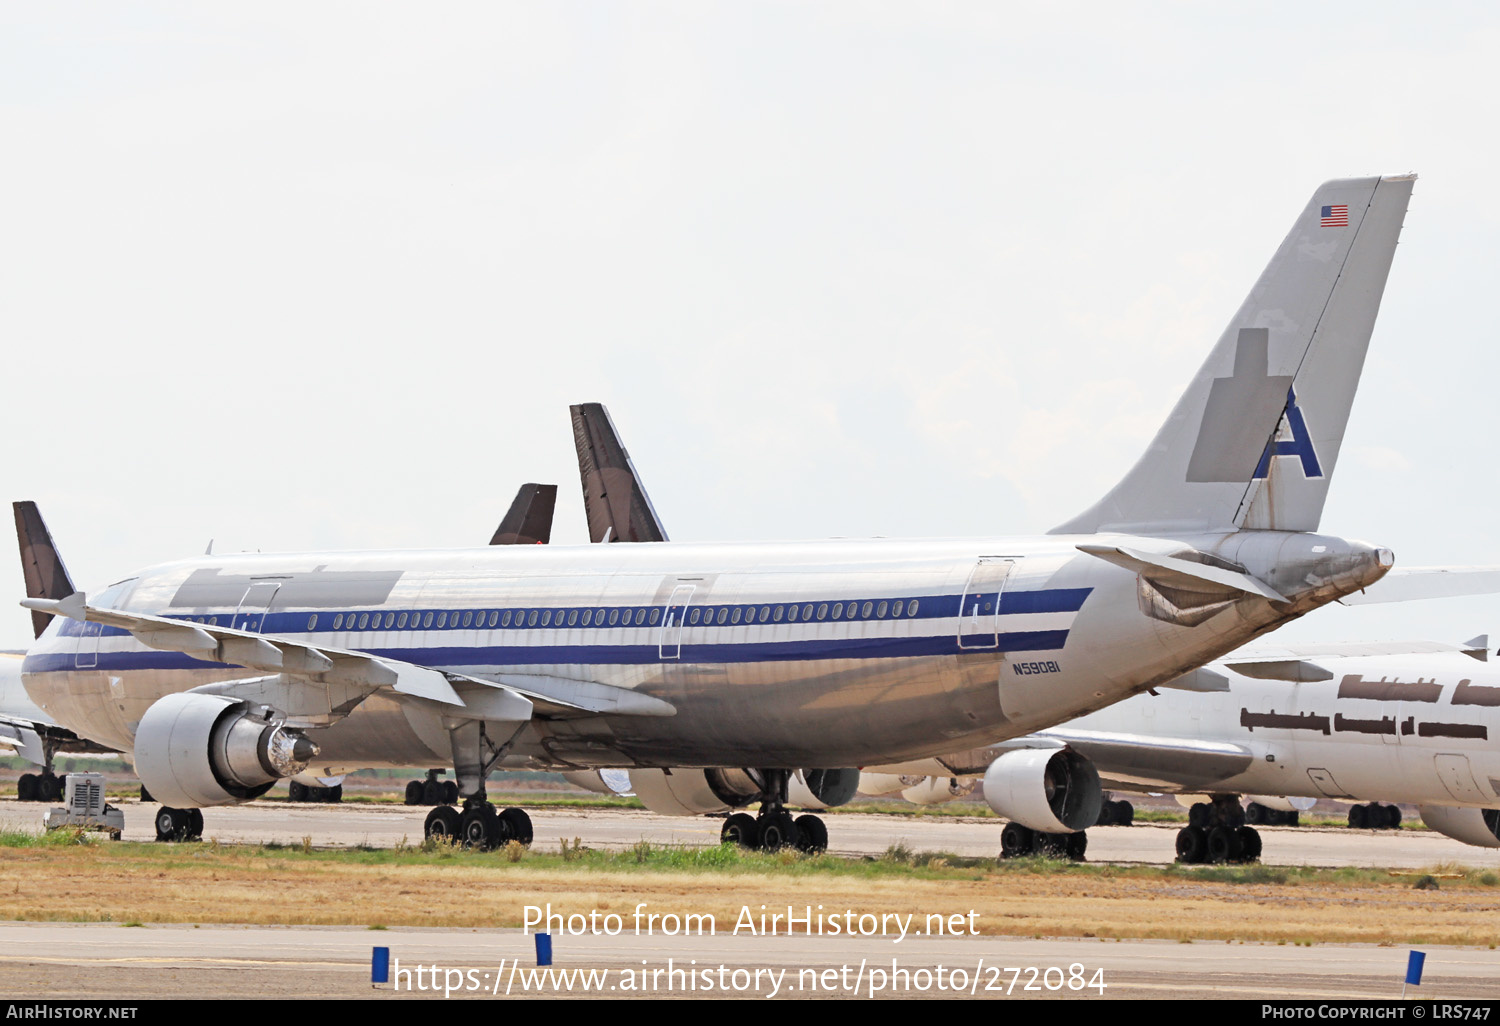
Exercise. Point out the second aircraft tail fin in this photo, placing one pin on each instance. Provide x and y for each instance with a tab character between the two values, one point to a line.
46	577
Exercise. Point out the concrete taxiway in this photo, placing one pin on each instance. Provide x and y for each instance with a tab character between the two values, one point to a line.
378	825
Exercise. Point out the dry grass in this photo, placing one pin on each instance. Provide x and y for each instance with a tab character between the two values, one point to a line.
209	883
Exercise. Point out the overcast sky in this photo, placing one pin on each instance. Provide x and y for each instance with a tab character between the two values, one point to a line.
326	275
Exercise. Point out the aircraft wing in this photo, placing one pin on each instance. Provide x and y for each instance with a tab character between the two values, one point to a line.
1168	764
279	654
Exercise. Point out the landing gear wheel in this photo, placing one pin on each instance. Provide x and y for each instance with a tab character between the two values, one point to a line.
333	795
1223	845
776	831
517	825
1015	841
449	791
740	829
1076	844
1201	815
1249	839
432	792
195	825
146	795
175	824
1124	813
1359	817
812	835
413	792
27	788
50	788
1106	815
1392	818
1052	846
296	791
442	823
1192	845
1255	814
481	829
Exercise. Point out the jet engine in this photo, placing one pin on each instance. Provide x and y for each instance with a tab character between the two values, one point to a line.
1479	827
194	750
937	790
1053	790
697	792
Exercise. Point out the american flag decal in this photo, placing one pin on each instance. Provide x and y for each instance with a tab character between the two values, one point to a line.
1336	216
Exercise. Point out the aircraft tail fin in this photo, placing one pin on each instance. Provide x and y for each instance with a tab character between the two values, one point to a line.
46	577
1253	442
529	519
618	508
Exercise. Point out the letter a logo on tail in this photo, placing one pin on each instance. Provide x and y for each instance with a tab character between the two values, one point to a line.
1299	445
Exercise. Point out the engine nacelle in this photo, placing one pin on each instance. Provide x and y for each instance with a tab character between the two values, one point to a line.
602	781
699	792
683	792
878	784
1054	790
937	790
822	788
194	750
1479	827
1282	803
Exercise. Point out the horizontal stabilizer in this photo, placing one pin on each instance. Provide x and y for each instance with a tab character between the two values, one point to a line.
1172	570
1202	679
1410	584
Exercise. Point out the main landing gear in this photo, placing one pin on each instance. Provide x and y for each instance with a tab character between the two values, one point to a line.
775	828
179	824
1257	814
479	825
1017	841
45	786
296	791
1216	832
1374	816
432	791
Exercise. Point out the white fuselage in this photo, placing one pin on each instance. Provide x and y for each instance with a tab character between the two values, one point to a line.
1420	728
799	654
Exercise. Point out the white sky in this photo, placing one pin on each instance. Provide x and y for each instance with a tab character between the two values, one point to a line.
324	275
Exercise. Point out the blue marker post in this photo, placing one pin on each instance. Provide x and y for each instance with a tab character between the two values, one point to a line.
380	966
1414	962
544	949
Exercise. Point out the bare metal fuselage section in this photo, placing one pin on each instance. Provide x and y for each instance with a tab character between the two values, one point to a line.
798	655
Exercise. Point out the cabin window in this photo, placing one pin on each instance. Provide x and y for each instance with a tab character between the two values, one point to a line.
838	610
695	616
312	622
338	621
723	614
401	621
531	618
614	617
390	618
868	609
791	613
588	617
896	609
735	616
364	618
655	616
546	617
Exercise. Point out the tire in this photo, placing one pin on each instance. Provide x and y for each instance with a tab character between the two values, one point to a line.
413	792
740	829
1106	815
812	835
776	831
1249	838
1255	814
1201	815
296	791
1293	818
1224	844
171	824
333	795
1359	817
1076	845
1015	841
443	823
432	792
50	788
517	825
27	788
1392	818
194	825
1124	813
449	792
1192	845
481	829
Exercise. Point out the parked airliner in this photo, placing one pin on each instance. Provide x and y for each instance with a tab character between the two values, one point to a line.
224	674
